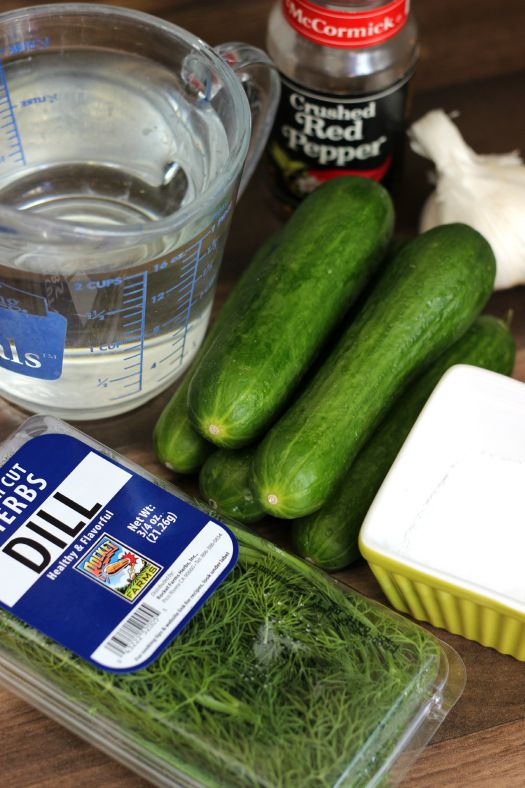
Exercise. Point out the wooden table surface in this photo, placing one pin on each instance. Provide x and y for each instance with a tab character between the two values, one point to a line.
473	61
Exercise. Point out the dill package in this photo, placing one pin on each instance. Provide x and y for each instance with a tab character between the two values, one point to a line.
283	677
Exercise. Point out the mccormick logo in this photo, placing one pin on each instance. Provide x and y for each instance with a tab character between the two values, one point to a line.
346	29
118	568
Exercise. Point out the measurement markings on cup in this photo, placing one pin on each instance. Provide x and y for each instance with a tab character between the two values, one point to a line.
133	316
189	262
11	148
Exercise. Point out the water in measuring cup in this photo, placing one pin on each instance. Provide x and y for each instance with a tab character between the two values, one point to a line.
106	138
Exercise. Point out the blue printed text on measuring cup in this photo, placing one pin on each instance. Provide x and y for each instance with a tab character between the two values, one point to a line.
31	338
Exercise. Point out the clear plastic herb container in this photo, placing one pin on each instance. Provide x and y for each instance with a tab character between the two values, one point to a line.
284	677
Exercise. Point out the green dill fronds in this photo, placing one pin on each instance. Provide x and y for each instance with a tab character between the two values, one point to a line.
283	678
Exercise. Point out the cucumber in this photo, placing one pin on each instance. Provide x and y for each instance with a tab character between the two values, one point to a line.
427	297
224	484
328	537
177	445
224	480
328	249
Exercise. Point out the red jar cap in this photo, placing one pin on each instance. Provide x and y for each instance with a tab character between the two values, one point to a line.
346	29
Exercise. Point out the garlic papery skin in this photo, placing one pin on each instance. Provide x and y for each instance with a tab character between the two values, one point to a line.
486	192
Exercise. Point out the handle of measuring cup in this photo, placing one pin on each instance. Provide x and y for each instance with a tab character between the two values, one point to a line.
261	83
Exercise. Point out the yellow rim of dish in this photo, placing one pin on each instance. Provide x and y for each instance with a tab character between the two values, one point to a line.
391	565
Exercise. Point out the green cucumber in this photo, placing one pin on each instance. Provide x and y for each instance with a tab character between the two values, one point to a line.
225	476
328	537
327	251
224	485
177	445
427	297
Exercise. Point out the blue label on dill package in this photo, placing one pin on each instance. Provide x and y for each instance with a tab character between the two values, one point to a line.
99	558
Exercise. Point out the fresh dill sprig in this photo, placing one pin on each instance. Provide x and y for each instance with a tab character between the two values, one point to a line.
283	678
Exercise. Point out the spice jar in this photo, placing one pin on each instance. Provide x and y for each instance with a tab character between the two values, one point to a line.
345	70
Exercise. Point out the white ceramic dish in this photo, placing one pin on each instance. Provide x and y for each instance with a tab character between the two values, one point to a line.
445	535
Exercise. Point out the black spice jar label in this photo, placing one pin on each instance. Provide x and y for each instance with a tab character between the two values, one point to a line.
318	136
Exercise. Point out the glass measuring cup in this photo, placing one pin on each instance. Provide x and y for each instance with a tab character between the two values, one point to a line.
122	142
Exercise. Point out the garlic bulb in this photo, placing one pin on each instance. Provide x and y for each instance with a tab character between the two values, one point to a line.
486	192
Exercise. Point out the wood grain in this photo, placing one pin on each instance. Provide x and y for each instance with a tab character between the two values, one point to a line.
472	60
486	759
